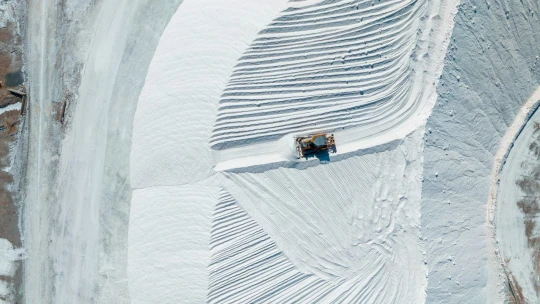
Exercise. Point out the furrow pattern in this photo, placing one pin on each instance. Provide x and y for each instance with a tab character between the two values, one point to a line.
247	267
353	264
329	66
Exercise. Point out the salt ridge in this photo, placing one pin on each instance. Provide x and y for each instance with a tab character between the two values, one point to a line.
347	67
357	240
354	226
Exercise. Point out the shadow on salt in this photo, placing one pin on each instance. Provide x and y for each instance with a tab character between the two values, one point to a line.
322	157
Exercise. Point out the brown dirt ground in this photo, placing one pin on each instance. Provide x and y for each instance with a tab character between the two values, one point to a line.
10	62
515	296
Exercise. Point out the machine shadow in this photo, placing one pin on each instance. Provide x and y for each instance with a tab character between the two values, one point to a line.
322	156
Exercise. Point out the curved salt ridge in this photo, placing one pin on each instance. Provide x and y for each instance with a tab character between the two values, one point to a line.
344	67
346	231
347	67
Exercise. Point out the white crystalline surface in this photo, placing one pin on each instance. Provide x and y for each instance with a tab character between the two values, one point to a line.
170	150
359	69
343	64
239	76
349	231
177	106
176	180
170	233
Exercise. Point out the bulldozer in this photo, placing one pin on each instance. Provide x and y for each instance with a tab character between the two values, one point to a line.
312	144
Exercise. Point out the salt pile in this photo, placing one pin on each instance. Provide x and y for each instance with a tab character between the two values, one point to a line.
175	176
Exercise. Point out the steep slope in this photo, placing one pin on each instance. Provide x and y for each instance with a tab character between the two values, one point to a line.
352	223
363	70
333	65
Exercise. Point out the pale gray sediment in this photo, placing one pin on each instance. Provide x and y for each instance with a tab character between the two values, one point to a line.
518	209
491	68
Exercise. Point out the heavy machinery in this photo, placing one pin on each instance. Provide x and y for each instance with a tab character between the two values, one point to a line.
309	145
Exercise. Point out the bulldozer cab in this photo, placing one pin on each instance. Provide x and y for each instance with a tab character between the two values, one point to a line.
308	145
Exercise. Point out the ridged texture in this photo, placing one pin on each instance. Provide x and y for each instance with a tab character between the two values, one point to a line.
345	232
337	64
248	267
